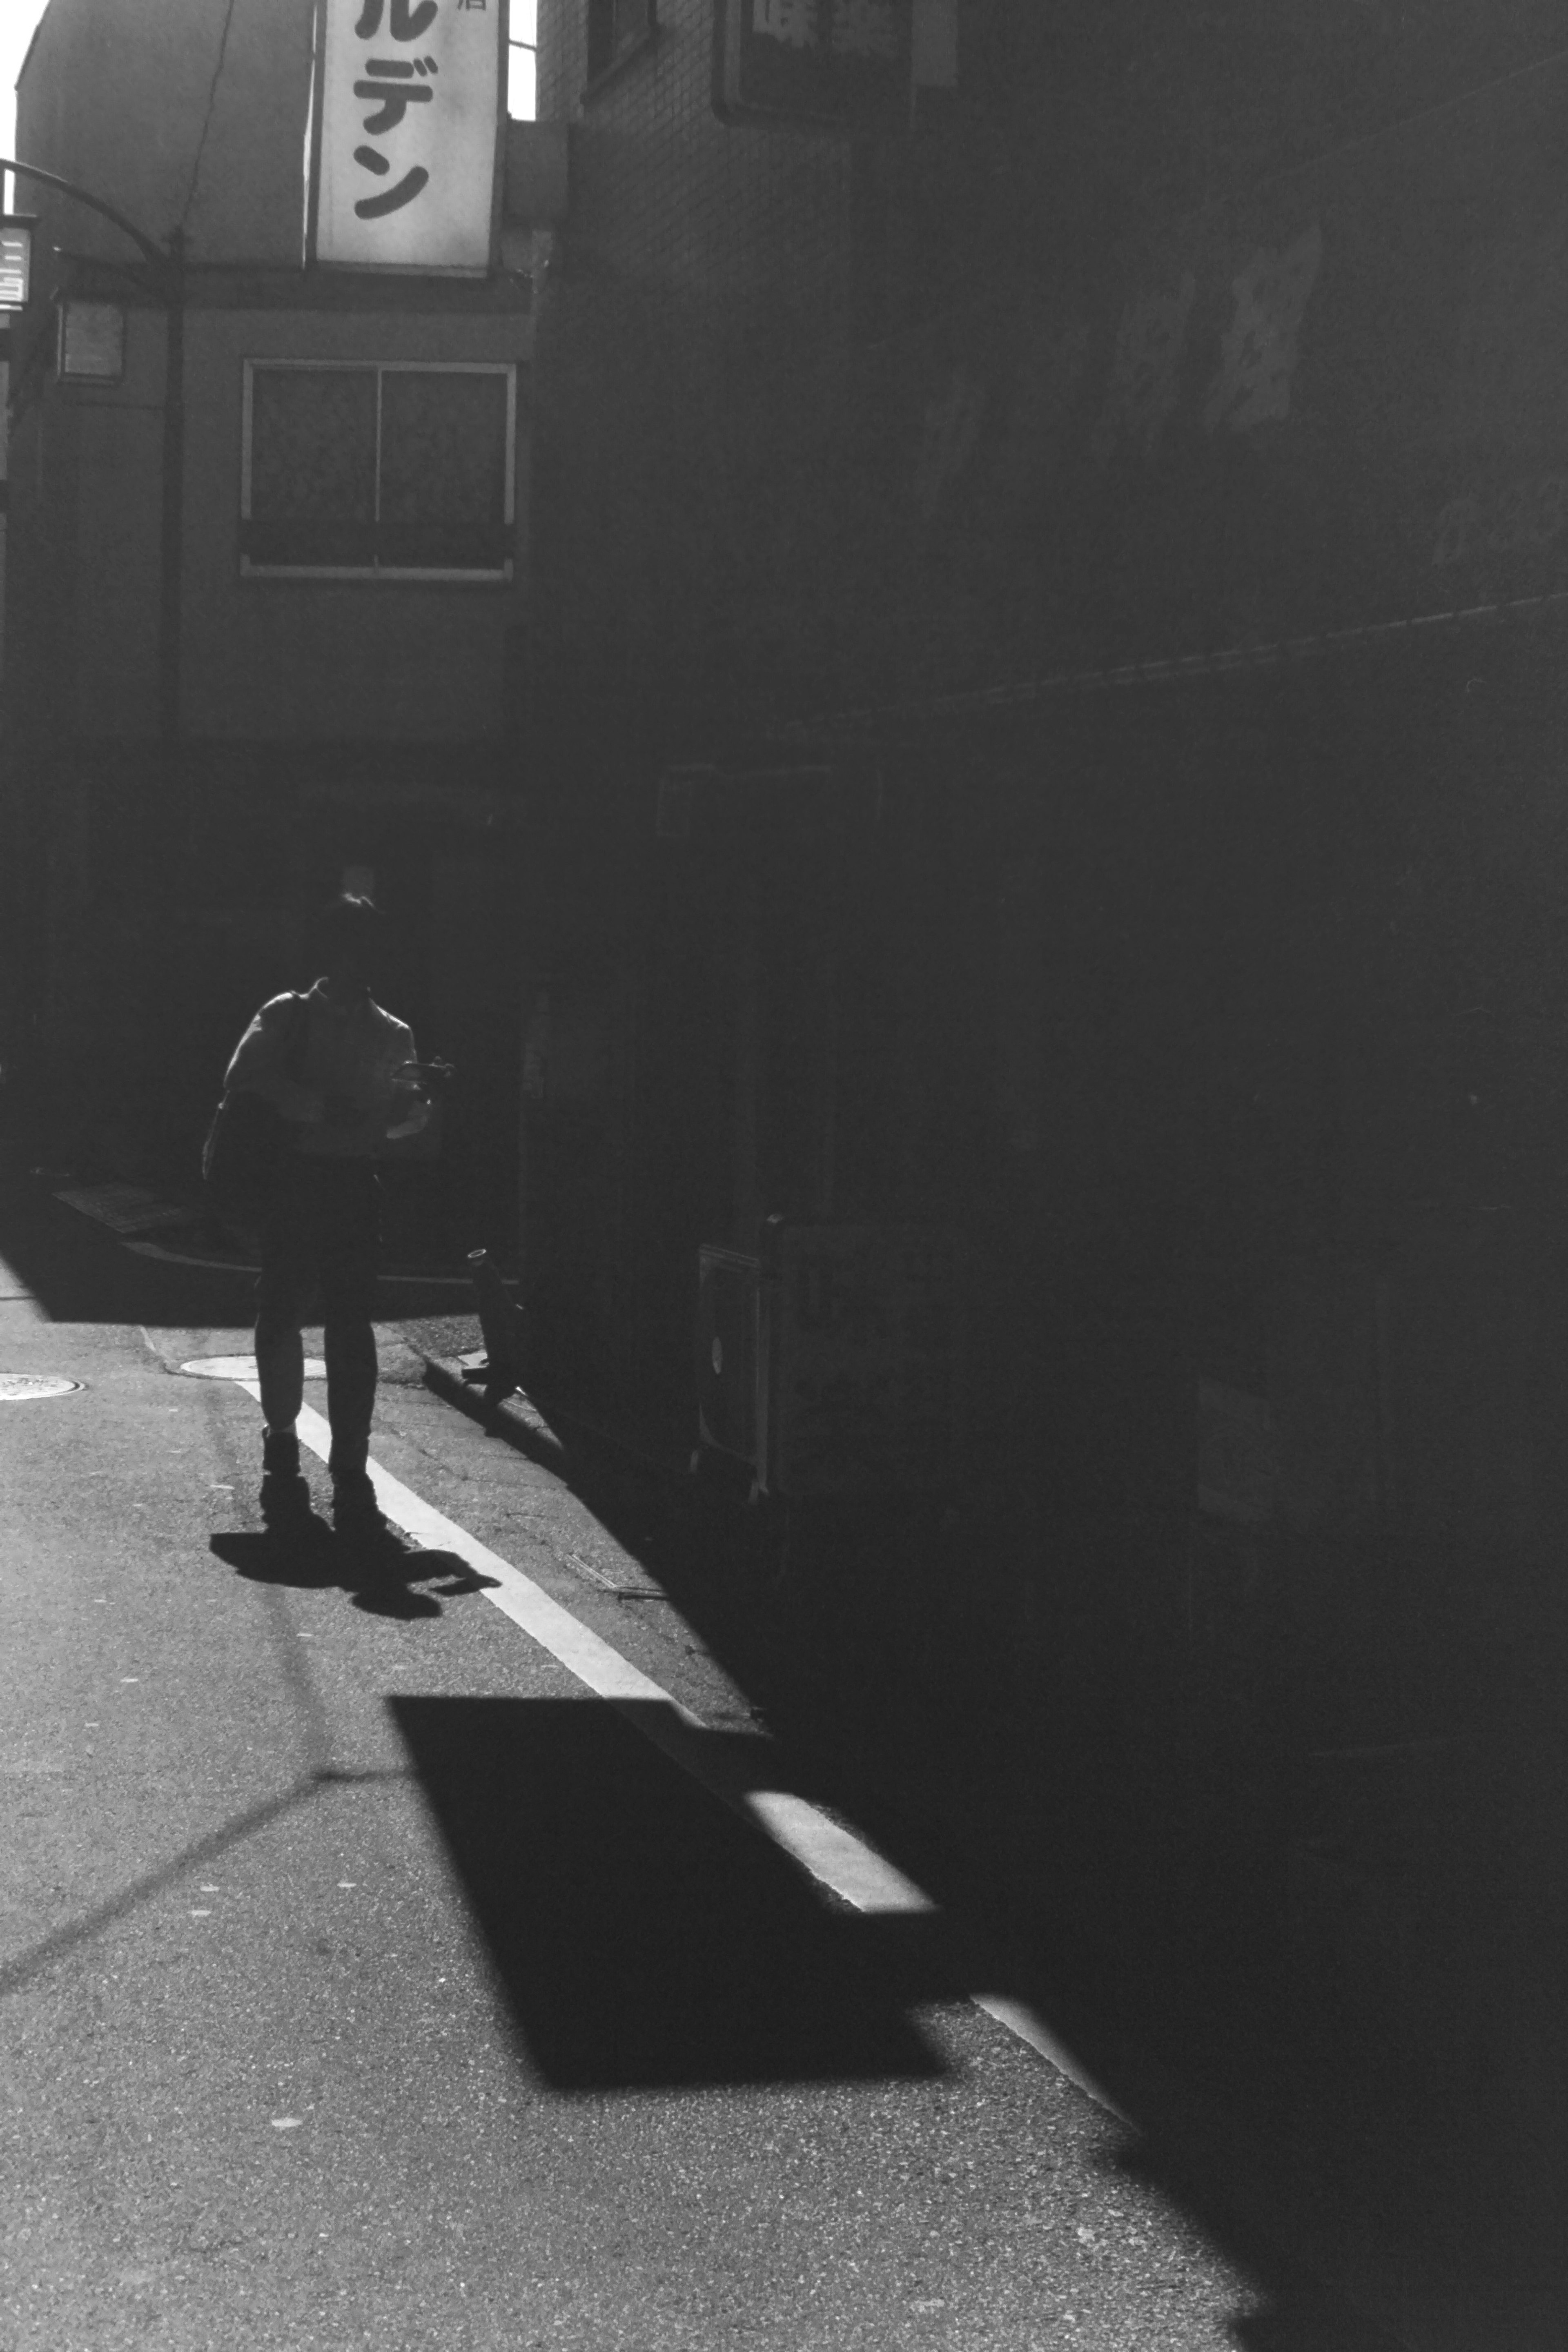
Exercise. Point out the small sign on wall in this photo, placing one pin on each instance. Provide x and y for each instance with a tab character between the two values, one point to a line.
405	133
91	342
842	64
16	261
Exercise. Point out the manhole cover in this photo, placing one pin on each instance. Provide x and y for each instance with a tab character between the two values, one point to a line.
242	1368
23	1388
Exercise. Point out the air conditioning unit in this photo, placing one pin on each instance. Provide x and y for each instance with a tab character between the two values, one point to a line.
832	1363
537	173
727	1284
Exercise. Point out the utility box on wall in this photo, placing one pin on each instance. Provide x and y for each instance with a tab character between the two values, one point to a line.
833	1362
726	1283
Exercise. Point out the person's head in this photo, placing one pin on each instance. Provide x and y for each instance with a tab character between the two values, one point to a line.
349	935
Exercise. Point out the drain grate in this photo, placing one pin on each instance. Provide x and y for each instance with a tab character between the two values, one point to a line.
28	1388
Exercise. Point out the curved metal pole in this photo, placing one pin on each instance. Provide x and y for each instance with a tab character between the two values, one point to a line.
157	259
167	270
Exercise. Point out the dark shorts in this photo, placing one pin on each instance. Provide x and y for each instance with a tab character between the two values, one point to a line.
320	1244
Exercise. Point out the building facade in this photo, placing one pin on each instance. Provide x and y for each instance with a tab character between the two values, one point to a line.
270	643
1055	620
997	677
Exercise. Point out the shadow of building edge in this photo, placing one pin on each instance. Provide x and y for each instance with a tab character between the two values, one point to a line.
1245	2174
632	1970
79	1272
641	1936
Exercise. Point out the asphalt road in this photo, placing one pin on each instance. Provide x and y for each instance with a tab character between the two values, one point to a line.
365	1980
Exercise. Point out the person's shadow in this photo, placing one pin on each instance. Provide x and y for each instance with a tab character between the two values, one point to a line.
383	1577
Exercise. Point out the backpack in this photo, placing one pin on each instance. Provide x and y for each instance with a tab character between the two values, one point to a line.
247	1141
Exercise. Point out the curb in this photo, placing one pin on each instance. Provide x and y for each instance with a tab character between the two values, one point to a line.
523	1422
523	1428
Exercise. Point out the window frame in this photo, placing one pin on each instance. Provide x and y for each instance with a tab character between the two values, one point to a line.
602	67
415	574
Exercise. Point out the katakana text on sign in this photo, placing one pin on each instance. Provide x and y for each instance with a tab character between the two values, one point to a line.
408	108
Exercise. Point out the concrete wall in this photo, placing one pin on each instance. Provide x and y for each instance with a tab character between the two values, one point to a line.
110	463
271	660
130	99
127	98
296	659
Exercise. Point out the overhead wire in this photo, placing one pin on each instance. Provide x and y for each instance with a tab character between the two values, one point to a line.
207	116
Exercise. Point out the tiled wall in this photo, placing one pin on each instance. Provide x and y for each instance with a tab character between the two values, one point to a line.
667	192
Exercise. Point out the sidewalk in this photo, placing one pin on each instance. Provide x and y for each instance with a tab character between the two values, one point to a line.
793	1614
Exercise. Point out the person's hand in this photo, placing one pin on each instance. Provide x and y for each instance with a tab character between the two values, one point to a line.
410	1110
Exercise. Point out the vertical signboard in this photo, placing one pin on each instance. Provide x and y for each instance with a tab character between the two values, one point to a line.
841	65
406	132
16	261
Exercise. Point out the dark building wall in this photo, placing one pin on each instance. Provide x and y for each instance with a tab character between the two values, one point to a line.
1121	432
1004	405
1095	858
696	265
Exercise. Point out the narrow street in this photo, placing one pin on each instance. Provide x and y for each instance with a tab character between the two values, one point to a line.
367	1979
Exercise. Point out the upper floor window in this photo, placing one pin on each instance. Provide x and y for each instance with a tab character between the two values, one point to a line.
522	61
400	471
615	28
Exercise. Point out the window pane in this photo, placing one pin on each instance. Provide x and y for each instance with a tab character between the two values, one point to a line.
521	84
524	22
614	27
312	444
633	18
443	450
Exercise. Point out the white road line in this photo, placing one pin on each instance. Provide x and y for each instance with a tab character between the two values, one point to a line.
835	1854
579	1650
829	1853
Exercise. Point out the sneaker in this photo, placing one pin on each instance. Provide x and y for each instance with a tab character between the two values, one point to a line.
355	1511
285	1497
280	1454
285	1502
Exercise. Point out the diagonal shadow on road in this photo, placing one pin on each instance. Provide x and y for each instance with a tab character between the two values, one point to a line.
200	1854
644	1936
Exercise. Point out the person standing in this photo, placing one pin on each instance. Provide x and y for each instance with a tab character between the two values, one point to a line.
340	1072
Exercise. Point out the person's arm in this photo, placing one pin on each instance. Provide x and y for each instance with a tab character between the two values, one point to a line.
410	1110
257	1068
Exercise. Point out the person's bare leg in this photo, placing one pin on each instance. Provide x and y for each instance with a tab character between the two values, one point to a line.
281	1376
279	1371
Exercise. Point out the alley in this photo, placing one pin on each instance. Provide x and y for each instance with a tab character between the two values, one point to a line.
367	1979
